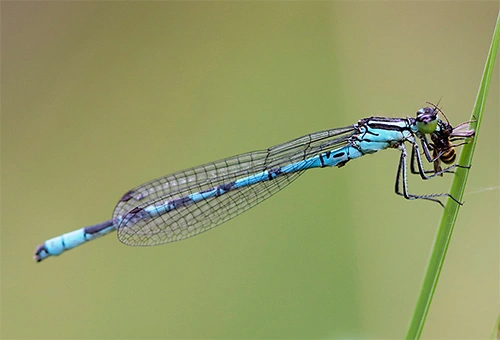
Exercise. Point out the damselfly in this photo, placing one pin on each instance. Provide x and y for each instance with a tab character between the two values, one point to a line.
189	202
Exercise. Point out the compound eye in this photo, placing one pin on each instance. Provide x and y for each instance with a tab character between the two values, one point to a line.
426	115
427	120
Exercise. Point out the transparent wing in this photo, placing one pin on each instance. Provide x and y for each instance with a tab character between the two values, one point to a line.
190	220
462	130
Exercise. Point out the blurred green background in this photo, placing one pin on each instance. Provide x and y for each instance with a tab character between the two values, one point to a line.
98	97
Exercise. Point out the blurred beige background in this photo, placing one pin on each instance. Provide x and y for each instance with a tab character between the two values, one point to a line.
98	97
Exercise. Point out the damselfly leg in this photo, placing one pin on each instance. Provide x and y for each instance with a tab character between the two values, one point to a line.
402	180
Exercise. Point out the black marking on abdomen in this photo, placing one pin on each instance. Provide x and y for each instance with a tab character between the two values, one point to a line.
338	155
321	160
273	173
135	210
41	248
226	187
180	202
98	227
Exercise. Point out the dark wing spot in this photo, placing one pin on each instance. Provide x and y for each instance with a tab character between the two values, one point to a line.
127	196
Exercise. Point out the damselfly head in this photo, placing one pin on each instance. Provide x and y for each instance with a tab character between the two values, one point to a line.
427	120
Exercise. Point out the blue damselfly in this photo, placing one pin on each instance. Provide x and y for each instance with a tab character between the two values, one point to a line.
189	202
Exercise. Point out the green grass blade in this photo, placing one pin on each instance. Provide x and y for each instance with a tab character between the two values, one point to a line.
450	213
495	334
